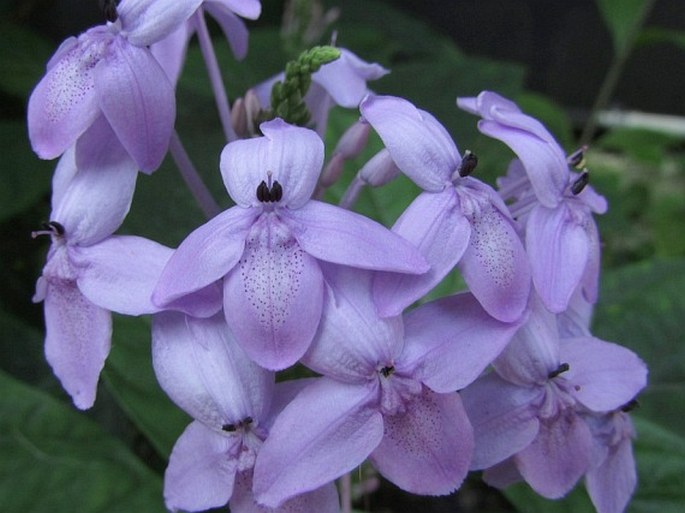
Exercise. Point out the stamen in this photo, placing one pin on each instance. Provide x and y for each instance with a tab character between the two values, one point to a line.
276	191
263	192
230	428
49	228
109	8
562	368
577	158
387	371
468	163
247	421
630	406
580	183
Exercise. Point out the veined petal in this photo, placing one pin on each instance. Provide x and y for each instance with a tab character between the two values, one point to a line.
201	472
64	103
426	450
170	52
449	342
436	226
352	340
558	249
329	429
339	236
287	154
138	100
558	456
503	418
99	195
345	78
274	296
533	351
321	500
233	27
144	22
590	280
204	371
206	255
65	171
605	375
78	339
121	272
418	143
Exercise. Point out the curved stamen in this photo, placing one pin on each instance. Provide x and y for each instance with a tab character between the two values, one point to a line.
468	163
109	8
580	183
387	371
49	228
561	369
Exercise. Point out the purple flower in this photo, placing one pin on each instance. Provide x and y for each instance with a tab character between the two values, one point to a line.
562	241
268	248
88	272
234	403
457	221
388	392
528	415
109	71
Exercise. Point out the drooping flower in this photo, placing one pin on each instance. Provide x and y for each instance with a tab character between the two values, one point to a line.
555	203
233	403
89	272
457	221
109	71
529	414
388	393
268	248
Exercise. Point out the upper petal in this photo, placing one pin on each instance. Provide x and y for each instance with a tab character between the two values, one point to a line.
287	154
352	340
558	248
206	255
329	429
436	226
233	27
201	473
449	342
170	52
426	450
418	143
202	368
99	195
274	296
77	341
144	22
138	100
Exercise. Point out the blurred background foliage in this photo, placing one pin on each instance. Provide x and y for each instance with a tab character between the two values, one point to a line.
607	72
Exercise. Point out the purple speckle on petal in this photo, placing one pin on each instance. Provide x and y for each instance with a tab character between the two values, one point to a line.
490	240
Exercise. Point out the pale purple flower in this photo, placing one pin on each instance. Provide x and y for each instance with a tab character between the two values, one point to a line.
528	415
88	272
234	403
555	203
109	71
171	51
457	221
269	246
341	82
388	393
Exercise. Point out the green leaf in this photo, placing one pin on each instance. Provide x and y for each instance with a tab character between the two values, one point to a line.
526	500
55	459
660	35
130	377
26	178
642	307
25	55
623	18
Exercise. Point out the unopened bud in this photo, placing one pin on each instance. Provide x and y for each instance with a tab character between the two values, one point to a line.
353	141
379	170
333	170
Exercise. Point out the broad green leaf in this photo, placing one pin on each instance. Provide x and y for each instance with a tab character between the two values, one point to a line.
25	178
25	55
55	459
131	379
643	308
623	18
646	146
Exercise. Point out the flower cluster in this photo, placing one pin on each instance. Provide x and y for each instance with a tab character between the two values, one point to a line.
504	377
